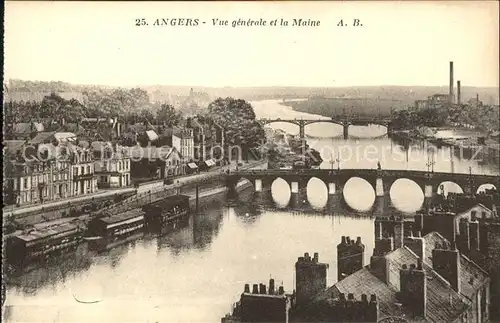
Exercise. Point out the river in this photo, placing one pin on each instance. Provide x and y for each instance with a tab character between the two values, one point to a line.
197	272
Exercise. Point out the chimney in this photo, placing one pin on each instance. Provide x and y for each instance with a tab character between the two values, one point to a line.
398	233
413	287
310	278
419	222
255	289
451	84
463	239
446	262
378	229
474	235
459	90
416	244
262	289
247	288
281	290
350	257
271	286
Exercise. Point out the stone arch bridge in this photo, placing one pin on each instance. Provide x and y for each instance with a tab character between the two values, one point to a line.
345	122
380	180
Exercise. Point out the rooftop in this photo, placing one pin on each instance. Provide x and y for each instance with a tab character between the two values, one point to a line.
122	216
443	303
47	232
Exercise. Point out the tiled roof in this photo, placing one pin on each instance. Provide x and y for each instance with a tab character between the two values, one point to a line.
65	136
41	137
13	146
151	135
73	127
151	152
430	242
26	127
443	303
364	282
472	276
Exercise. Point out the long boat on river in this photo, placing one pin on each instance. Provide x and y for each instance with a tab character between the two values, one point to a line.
107	231
34	245
167	214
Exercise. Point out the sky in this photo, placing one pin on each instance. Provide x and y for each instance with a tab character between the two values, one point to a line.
400	43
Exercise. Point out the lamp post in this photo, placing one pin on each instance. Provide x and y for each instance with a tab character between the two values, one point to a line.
430	166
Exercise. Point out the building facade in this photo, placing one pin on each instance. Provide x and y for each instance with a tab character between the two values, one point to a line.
32	177
111	164
82	174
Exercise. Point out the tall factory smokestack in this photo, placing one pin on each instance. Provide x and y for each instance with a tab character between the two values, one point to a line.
459	97
451	83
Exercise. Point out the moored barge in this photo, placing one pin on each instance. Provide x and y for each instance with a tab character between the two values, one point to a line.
110	230
40	244
167	214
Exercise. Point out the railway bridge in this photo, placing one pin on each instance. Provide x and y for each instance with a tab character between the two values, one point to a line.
344	121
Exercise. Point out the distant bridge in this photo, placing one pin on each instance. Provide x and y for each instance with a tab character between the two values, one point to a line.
344	121
380	180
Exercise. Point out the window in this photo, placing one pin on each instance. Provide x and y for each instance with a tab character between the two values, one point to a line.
76	171
25	181
473	215
483	214
88	170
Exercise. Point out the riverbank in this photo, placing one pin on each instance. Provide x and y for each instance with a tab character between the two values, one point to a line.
208	185
452	137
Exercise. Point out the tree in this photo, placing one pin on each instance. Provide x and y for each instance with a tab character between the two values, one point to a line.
54	106
237	117
168	114
146	114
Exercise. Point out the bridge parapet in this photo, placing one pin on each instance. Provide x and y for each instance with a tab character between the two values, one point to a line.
423	178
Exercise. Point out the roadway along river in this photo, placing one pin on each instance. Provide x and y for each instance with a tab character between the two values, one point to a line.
196	273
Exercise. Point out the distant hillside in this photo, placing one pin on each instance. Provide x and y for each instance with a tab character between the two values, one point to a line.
38	96
405	94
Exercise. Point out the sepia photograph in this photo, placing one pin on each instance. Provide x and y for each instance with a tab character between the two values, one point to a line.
251	161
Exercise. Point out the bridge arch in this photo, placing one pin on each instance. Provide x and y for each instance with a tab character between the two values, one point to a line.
323	129
356	187
317	192
406	195
484	187
449	187
281	192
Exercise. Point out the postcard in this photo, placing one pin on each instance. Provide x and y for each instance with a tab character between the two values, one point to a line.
284	161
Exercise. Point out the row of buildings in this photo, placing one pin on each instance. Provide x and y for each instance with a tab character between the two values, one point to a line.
51	160
440	267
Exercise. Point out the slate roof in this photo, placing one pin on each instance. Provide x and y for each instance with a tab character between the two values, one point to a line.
13	146
443	303
42	137
25	127
364	282
472	276
73	127
151	152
